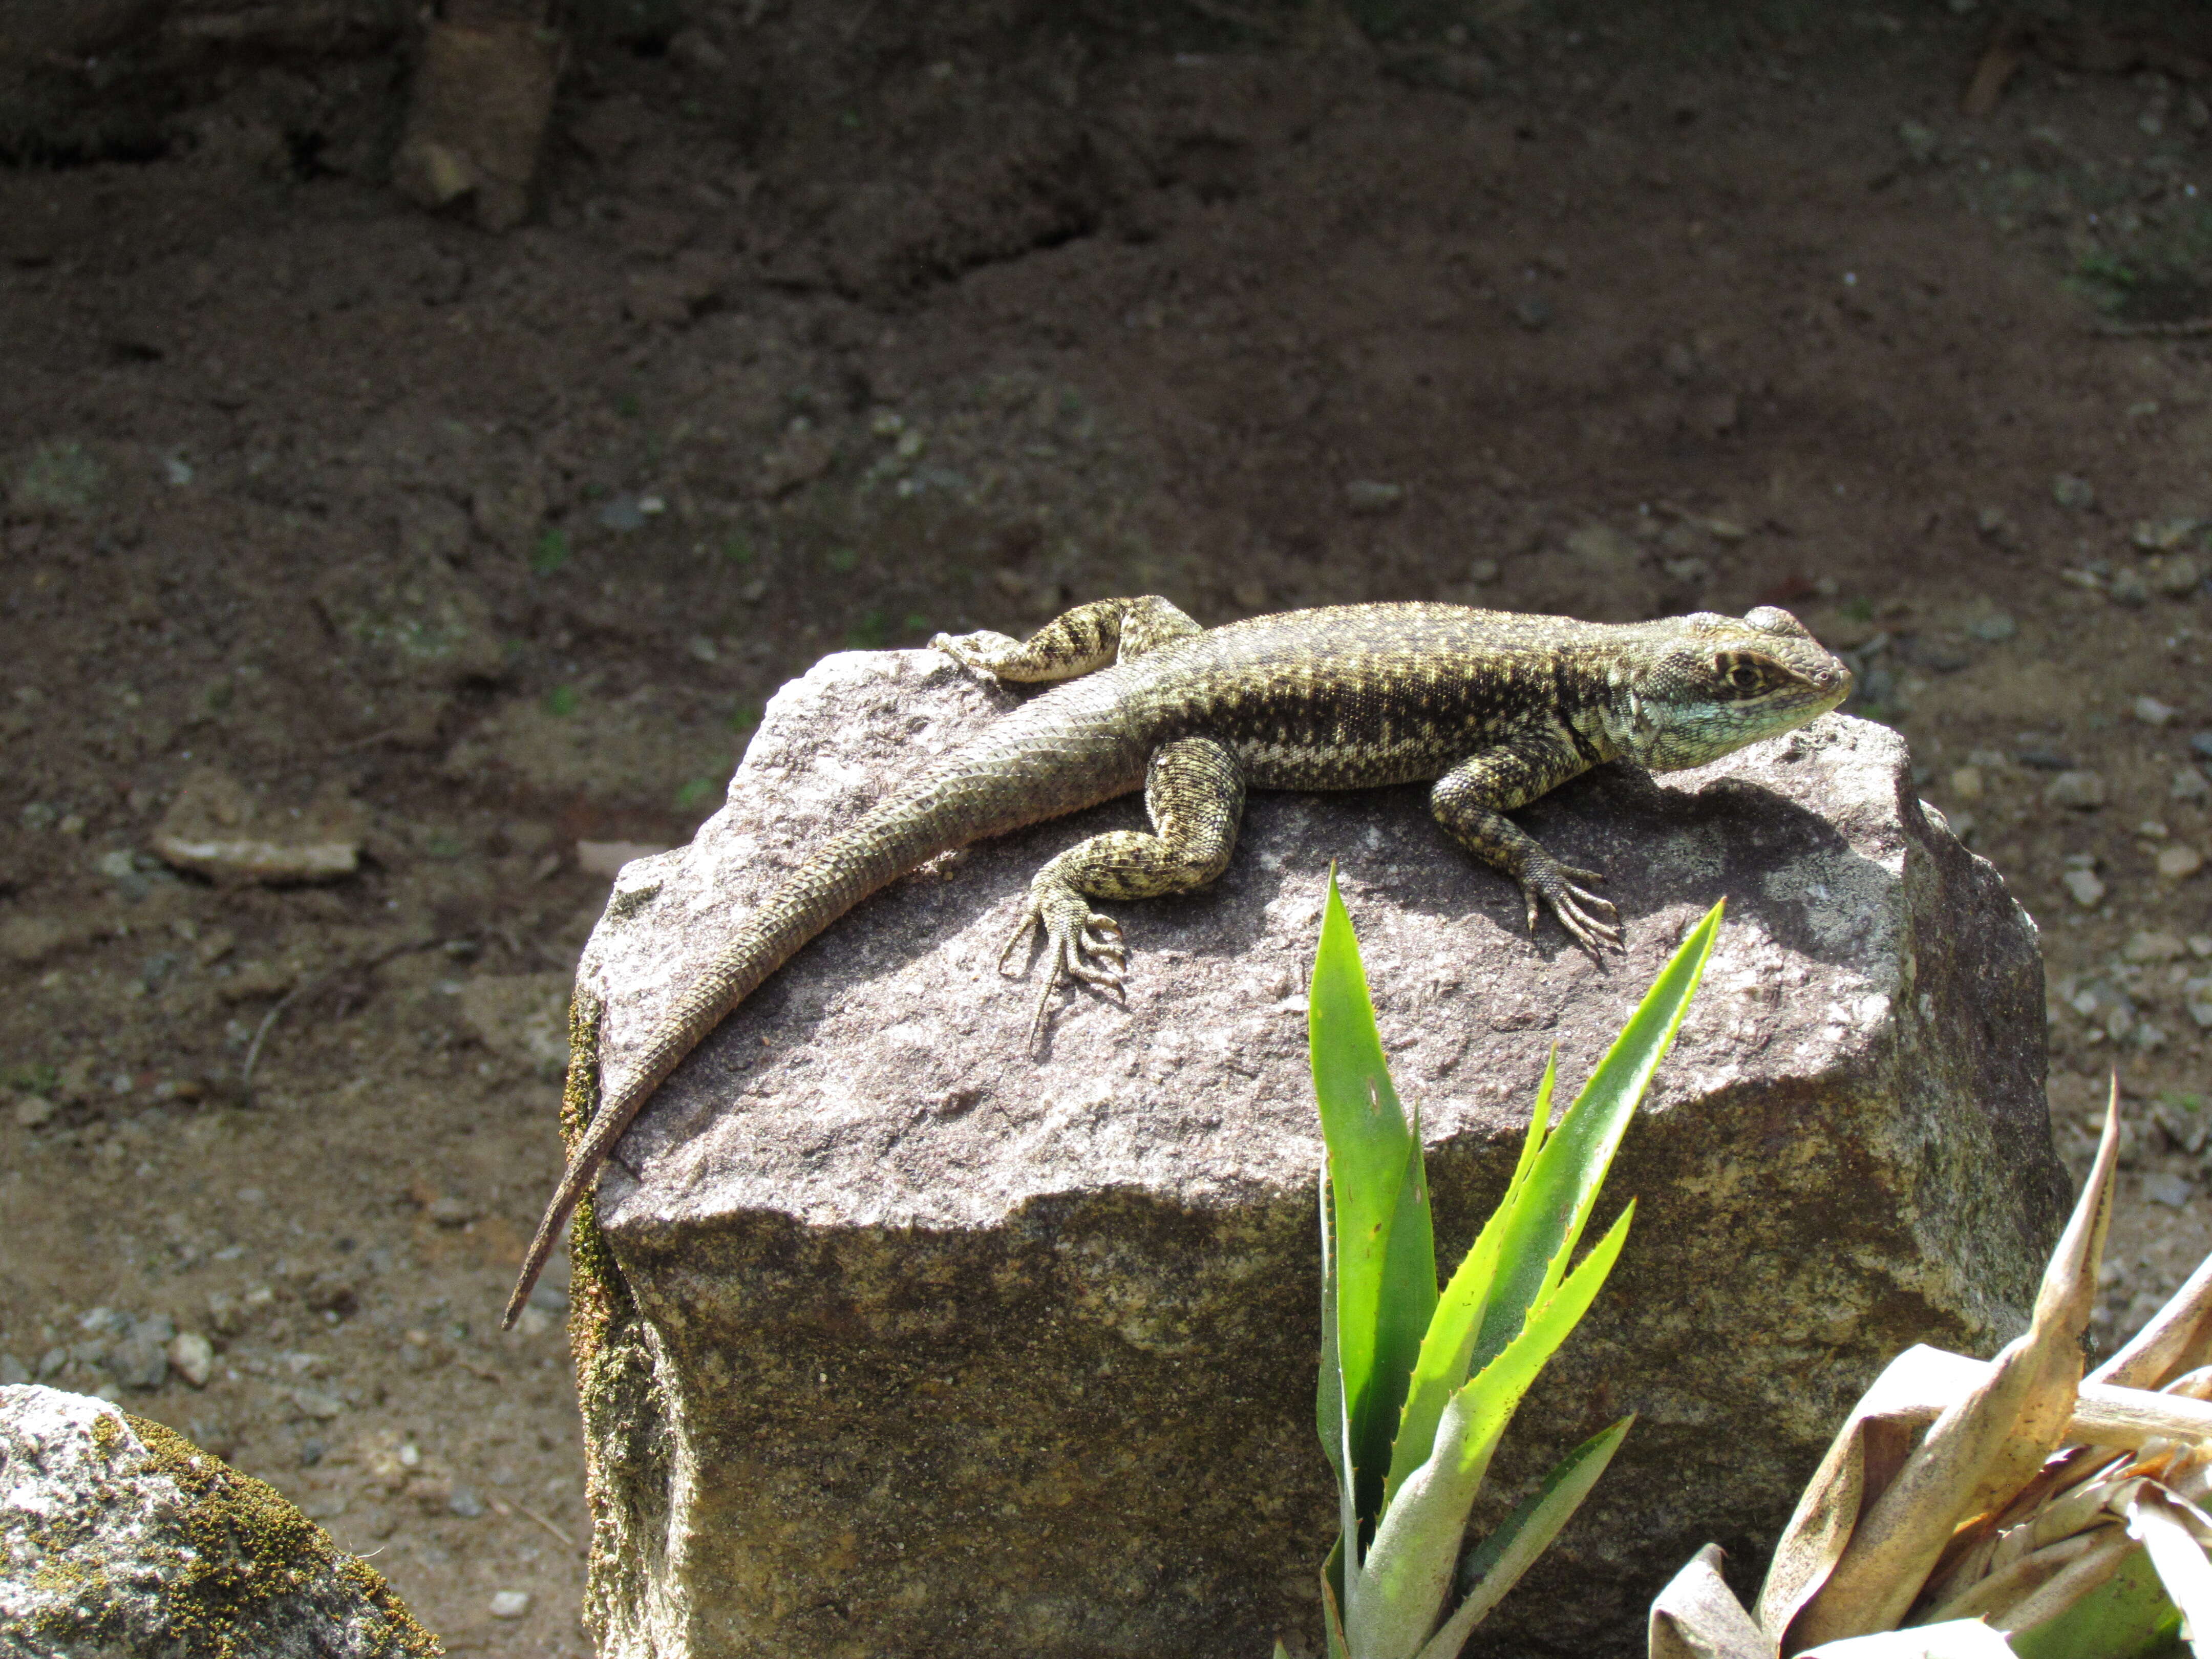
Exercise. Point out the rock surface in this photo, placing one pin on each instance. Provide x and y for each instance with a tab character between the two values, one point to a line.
119	1536
889	1331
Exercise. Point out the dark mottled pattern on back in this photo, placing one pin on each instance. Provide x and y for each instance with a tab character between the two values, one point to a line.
1498	709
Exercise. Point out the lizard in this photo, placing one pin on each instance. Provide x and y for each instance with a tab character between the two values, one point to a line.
1498	709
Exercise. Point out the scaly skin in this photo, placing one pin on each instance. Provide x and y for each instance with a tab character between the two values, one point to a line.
1498	709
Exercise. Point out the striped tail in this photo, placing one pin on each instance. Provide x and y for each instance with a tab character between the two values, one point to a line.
985	791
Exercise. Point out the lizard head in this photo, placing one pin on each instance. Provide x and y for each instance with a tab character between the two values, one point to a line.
1713	684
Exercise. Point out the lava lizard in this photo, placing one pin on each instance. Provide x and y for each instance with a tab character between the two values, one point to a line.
1498	709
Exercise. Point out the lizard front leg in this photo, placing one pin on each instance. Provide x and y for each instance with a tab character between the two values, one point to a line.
1194	794
1471	799
1079	642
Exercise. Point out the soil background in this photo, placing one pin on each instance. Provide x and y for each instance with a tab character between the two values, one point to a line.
830	327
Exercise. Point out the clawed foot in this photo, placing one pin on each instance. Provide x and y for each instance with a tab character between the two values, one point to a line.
982	651
1074	935
1546	881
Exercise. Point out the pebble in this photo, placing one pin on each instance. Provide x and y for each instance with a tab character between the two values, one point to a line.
2200	945
1966	782
621	513
2151	712
463	1502
2169	1189
1482	572
2082	790
2177	576
2189	784
2152	946
13	1371
1367	497
2129	588
31	1111
2076	495
193	1356
510	1604
2202	743
2162	535
2178	862
318	1402
1993	629
2084	886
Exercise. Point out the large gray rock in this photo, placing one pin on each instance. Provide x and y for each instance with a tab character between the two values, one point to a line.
896	1340
119	1537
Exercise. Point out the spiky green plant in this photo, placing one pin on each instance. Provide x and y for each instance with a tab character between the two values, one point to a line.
1416	1387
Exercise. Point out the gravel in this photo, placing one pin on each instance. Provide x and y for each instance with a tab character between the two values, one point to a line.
510	1604
2084	886
2082	790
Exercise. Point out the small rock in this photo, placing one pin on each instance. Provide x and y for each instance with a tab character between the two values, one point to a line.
2151	712
1966	782
2084	886
2177	576
2161	535
621	513
2196	998
2200	945
1993	629
139	1362
1482	572
29	941
510	1604
2189	784
450	1211
2043	758
2169	1189
2082	790
13	1371
2202	743
463	1502
193	1356
1921	144
2129	588
319	1403
803	455
2178	862
1367	497
2149	946
31	1111
423	625
2075	494
217	828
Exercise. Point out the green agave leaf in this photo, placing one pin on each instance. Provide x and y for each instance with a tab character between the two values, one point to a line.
1332	1600
1398	1592
1448	1344
1496	1390
1384	1246
1491	1569
1549	1214
2128	1616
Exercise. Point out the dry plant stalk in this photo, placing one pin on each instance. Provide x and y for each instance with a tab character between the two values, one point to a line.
2008	1507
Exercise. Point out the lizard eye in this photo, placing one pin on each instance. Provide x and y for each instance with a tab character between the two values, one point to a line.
1744	677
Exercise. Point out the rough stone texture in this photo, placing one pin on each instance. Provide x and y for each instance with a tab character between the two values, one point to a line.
119	1536
896	1340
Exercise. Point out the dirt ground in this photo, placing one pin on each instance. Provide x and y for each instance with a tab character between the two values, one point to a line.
475	548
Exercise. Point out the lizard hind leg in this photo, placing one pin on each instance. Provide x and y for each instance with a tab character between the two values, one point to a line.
1195	793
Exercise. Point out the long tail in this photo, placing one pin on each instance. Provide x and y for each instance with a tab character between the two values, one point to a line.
989	794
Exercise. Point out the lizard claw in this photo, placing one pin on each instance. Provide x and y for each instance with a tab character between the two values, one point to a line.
1079	944
1553	883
